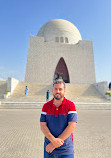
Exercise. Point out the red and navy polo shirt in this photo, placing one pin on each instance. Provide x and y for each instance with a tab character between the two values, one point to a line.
57	119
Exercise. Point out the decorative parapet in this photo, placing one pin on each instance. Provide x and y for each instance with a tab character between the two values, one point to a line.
101	87
11	84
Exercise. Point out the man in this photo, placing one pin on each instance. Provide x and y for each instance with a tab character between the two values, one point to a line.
26	91
47	95
57	122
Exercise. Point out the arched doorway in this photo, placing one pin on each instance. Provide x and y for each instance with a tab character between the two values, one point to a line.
61	68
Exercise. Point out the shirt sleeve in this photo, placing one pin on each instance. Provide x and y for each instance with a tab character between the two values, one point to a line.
43	114
72	113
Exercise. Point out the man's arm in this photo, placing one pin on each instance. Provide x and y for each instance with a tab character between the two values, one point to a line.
57	142
68	130
64	135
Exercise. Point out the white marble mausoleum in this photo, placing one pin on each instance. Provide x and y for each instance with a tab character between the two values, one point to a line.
59	48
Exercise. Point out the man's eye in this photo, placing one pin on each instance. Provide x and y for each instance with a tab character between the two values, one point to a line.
60	89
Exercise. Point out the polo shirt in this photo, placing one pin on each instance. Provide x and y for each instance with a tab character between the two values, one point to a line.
57	119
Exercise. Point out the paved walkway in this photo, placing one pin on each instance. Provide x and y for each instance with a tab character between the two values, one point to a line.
20	135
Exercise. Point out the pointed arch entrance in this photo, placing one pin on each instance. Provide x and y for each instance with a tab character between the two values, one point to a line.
61	68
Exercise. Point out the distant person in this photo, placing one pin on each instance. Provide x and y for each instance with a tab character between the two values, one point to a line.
110	86
26	91
47	95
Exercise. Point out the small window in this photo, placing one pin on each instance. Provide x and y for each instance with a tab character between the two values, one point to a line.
61	39
57	39
66	40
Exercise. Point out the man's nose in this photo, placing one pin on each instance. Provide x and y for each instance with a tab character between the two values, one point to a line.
57	91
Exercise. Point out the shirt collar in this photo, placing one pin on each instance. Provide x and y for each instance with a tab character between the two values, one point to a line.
63	102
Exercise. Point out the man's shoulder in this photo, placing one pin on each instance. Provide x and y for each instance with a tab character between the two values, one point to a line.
48	103
69	102
70	105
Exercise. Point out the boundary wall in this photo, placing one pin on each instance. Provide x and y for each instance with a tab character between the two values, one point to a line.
11	84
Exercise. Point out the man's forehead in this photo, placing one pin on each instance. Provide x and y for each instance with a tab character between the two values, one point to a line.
59	85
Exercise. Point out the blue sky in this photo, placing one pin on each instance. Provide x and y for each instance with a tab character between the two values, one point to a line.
21	19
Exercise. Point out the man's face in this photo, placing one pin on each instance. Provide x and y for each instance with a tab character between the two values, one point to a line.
58	91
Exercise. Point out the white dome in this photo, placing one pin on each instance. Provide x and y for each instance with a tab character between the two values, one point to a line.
60	30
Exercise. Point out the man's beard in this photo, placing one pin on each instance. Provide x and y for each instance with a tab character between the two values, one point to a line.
58	97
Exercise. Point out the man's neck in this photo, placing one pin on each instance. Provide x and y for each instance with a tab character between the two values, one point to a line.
57	102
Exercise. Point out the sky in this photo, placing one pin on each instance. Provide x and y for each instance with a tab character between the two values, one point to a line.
20	19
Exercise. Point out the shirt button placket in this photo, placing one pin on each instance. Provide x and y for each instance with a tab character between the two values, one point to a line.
56	112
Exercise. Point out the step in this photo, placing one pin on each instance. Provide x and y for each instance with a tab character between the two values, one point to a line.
74	92
38	105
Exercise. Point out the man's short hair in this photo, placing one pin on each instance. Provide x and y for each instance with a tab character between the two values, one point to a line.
57	81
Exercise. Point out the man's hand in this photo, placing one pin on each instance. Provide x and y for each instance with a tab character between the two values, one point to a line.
57	142
50	148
